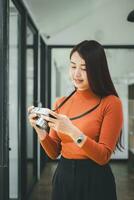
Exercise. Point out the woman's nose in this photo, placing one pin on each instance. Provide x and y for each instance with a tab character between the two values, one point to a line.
77	73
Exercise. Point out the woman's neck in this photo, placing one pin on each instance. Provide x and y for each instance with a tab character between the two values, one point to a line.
88	93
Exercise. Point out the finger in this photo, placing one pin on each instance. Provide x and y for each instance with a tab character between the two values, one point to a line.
54	114
32	116
50	119
51	125
30	108
32	122
60	115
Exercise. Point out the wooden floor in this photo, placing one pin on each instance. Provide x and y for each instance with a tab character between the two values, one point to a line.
123	172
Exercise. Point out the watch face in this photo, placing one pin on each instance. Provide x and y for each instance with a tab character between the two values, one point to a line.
80	139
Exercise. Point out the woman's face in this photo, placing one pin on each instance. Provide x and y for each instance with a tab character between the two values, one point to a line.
78	72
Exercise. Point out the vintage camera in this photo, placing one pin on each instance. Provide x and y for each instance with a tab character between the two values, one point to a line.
40	122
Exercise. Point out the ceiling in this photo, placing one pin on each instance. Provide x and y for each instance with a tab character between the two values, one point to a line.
69	21
53	16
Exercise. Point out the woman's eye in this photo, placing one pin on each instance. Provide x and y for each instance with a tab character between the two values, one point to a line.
73	66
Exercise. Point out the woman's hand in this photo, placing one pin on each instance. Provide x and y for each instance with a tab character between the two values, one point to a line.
32	119
61	123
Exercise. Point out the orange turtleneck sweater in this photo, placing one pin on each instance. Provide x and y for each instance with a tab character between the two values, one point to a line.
102	128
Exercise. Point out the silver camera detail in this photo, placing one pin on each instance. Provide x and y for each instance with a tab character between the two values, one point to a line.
40	122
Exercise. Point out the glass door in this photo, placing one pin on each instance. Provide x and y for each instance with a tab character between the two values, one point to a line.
43	92
4	100
14	84
31	99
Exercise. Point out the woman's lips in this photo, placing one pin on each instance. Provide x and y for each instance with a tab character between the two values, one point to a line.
78	81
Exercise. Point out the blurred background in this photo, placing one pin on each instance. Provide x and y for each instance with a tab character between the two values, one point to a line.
36	38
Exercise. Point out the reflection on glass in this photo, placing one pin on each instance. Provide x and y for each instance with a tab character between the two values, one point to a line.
13	101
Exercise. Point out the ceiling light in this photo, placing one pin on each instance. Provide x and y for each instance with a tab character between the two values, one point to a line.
130	17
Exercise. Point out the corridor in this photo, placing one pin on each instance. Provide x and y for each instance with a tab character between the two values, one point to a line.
37	67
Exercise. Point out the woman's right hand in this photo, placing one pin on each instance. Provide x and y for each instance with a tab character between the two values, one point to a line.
32	120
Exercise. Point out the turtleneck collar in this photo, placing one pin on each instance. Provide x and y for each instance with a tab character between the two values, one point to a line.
87	93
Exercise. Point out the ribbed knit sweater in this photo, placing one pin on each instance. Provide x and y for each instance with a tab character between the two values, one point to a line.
102	128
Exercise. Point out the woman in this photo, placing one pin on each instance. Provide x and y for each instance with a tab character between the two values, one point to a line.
86	129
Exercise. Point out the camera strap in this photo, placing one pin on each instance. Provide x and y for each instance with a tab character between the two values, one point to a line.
81	115
87	112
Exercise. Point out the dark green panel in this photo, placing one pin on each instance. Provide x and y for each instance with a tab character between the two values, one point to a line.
4	152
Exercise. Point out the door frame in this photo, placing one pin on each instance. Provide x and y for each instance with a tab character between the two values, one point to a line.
43	92
22	152
30	23
4	100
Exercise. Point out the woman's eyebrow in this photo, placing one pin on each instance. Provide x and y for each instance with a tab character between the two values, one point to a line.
75	63
72	62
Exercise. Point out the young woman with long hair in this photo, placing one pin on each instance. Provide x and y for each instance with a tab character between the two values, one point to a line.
86	129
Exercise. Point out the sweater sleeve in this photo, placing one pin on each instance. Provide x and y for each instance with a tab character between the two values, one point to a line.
111	127
52	143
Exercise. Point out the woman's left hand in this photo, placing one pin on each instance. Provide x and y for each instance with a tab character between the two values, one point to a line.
61	123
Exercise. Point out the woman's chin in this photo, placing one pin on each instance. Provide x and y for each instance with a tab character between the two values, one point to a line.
80	85
81	88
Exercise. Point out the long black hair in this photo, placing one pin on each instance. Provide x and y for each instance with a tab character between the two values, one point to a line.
98	74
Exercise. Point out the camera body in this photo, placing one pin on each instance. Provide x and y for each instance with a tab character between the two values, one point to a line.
40	122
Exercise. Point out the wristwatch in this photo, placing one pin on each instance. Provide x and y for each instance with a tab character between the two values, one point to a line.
80	139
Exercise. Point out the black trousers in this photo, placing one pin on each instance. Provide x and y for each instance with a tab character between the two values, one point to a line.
83	180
